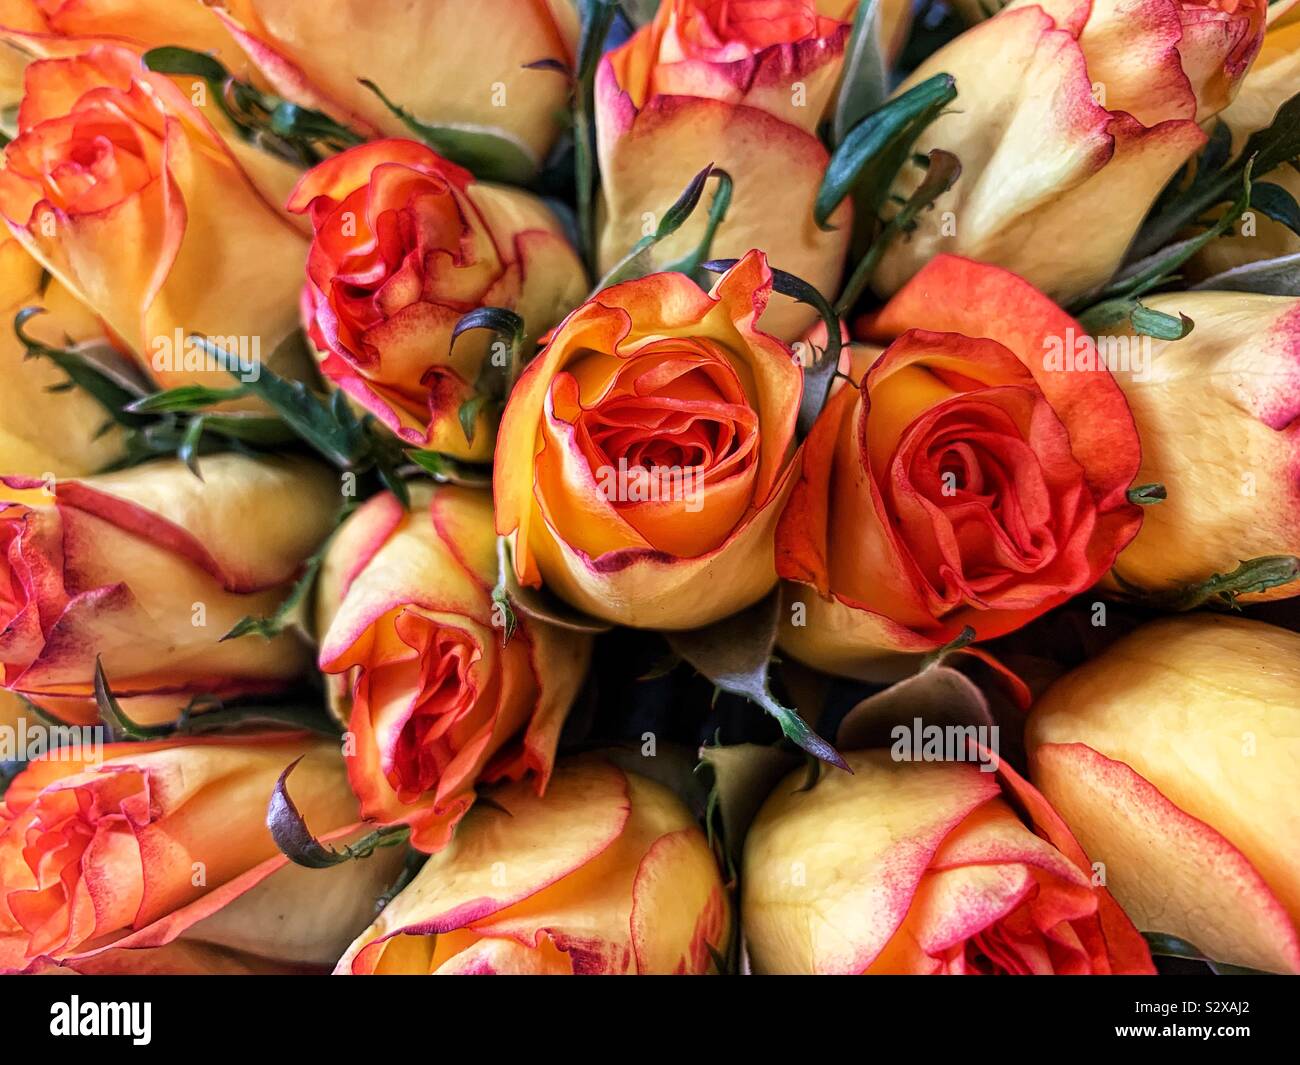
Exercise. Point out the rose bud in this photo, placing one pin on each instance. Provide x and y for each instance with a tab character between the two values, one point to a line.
134	845
969	480
1173	755
148	568
1055	181
489	62
924	869
123	190
1273	79
742	86
434	699
45	432
405	244
608	874
644	455
1216	414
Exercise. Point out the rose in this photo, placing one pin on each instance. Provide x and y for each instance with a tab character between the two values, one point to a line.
405	244
433	699
912	868
1173	756
121	188
975	478
164	839
1055	182
1273	79
742	86
644	454
607	875
43	432
1215	412
148	568
447	65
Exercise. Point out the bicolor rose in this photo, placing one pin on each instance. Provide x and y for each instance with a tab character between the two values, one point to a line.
405	244
973	478
125	192
149	568
1173	755
644	455
925	869
166	842
44	432
1273	79
434	698
1216	413
446	64
1095	106
742	86
607	875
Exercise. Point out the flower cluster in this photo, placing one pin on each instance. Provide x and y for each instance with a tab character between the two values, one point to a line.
457	461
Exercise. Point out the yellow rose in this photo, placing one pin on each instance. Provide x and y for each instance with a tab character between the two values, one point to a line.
608	874
742	86
1174	757
150	567
445	62
1094	107
1216	417
924	869
128	195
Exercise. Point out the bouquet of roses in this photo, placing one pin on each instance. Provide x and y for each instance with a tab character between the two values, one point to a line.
680	487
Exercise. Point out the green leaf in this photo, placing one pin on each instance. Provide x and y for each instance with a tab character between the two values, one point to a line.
818	377
1144	495
865	84
535	603
494	379
638	262
942	171
446	470
297	843
735	654
328	426
491	154
1159	325
691	263
1169	946
184	399
1265	150
170	59
873	151
1222	589
115	719
108	393
1277	203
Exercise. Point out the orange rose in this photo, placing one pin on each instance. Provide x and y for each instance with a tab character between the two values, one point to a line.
433	699
141	23
149	568
126	193
159	840
607	875
742	86
925	869
968	481
644	454
405	244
